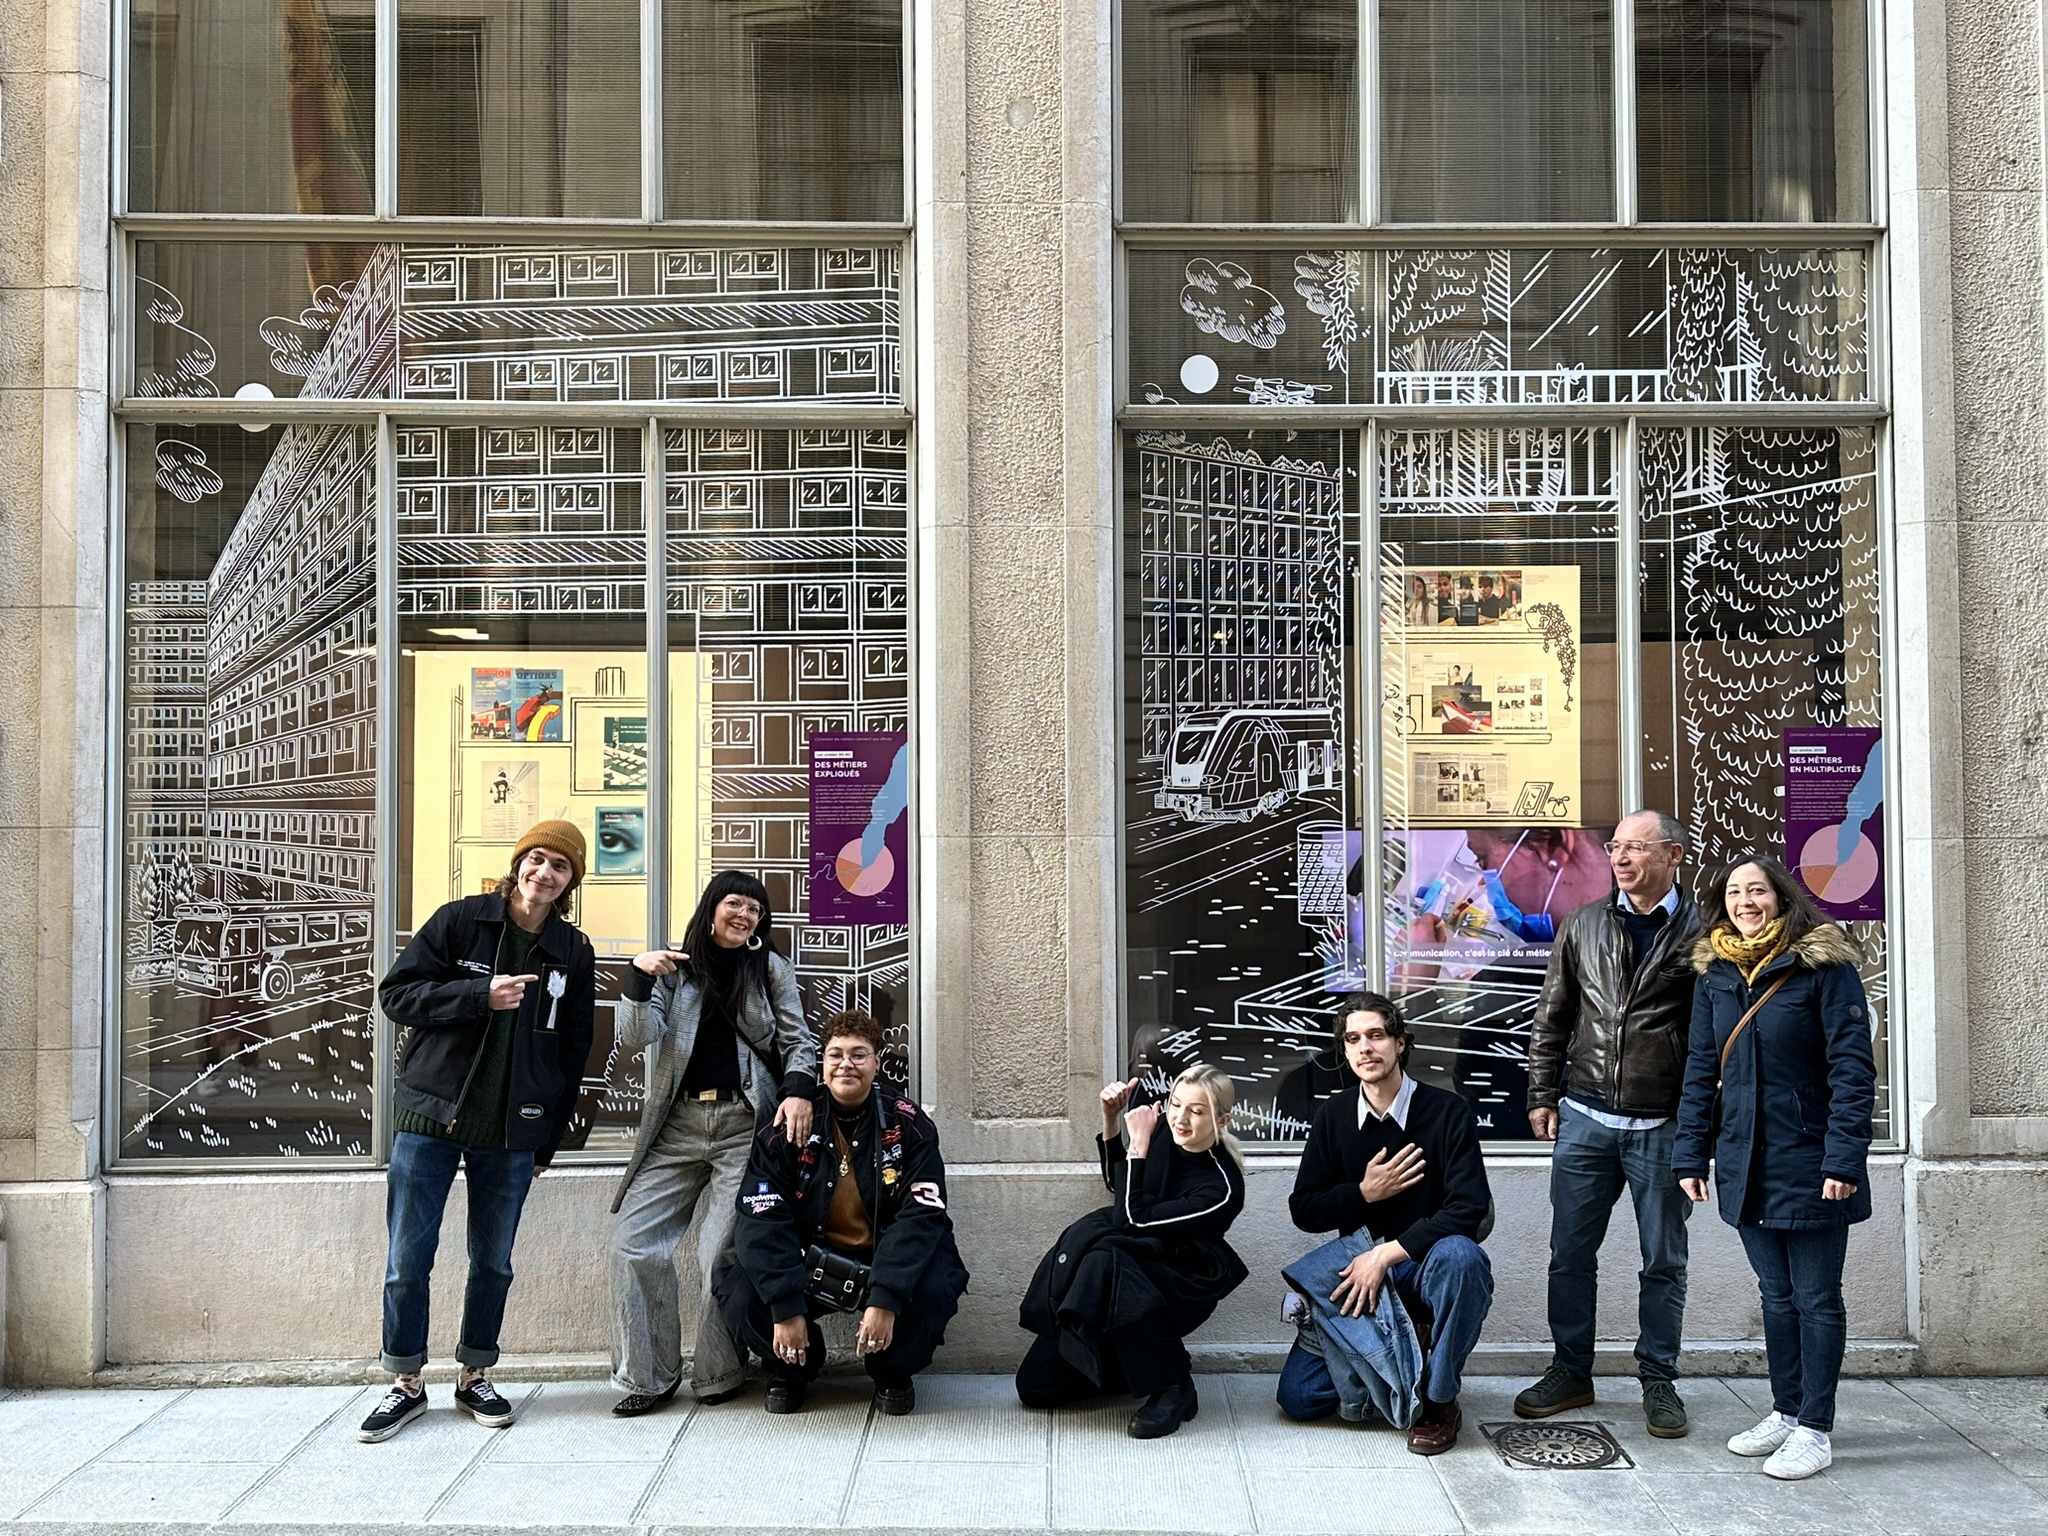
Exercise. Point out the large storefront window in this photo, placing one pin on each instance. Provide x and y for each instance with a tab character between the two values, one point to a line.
1443	553
583	607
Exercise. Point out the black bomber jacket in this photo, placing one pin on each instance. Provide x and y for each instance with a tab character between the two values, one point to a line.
1624	1038
440	991
787	1193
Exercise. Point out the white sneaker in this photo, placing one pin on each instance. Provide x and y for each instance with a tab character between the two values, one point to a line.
1765	1438
1805	1452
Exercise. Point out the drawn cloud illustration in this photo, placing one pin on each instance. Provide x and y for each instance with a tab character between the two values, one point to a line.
1224	301
181	469
294	344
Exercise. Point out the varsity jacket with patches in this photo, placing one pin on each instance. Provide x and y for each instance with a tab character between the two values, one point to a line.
787	1194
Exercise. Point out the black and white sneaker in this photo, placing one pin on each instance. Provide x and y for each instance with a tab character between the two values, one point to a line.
398	1409
481	1401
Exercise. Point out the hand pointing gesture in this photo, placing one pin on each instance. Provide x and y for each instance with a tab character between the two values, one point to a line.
507	991
1114	1098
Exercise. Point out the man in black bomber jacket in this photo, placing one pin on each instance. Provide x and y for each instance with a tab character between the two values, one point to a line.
867	1185
497	992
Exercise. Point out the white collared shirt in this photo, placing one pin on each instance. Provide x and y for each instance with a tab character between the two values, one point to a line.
1396	1111
1669	903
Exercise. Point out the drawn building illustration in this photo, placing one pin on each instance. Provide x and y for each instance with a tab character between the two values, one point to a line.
788	561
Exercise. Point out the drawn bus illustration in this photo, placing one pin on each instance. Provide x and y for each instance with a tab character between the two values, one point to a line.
275	953
1235	764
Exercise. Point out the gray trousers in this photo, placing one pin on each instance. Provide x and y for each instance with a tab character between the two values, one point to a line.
693	1171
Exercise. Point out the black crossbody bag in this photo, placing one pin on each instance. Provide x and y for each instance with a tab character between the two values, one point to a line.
833	1280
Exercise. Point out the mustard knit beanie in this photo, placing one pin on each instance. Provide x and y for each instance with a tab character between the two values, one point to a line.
563	837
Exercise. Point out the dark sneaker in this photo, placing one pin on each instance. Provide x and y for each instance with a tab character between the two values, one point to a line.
784	1396
896	1401
1559	1390
1436	1430
398	1409
633	1404
1663	1410
1165	1411
482	1402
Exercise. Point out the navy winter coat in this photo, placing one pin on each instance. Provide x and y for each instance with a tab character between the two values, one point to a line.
1793	1107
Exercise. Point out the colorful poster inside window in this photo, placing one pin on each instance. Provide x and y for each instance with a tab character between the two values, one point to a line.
516	704
1834	817
859	828
1488	658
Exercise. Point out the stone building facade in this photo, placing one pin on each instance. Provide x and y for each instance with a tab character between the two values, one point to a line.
1121	474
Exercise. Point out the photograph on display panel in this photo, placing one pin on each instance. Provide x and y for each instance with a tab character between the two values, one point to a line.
1498	695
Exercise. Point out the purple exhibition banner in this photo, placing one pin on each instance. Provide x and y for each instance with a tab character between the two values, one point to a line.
1834	818
860	828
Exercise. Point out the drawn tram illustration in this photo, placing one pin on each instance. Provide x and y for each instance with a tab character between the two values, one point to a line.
251	705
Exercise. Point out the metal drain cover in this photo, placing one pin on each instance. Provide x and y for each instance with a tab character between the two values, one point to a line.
1555	1447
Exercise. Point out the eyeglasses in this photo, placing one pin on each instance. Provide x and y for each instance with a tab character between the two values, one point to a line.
1636	846
859	1056
740	907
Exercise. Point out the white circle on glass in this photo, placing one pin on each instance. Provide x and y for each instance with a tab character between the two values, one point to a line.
255	391
1198	375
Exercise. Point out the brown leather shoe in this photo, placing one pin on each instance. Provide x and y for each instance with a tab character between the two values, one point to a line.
1436	1431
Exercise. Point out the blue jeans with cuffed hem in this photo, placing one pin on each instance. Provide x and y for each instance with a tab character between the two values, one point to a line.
1450	1291
1806	1326
416	1193
1589	1168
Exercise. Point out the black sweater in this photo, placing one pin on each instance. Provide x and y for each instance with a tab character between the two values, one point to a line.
1451	1201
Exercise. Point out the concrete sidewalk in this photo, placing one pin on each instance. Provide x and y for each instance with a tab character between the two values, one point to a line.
1949	1458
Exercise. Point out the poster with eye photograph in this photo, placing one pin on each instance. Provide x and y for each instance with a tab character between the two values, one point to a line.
621	841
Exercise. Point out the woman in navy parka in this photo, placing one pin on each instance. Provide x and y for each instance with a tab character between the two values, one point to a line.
1782	1106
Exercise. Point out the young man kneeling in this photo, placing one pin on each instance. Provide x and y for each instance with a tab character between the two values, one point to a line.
850	1219
1401	1160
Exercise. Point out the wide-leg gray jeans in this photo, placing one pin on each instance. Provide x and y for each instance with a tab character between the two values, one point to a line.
691	1173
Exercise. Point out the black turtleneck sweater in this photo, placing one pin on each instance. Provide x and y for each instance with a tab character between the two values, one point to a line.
714	1057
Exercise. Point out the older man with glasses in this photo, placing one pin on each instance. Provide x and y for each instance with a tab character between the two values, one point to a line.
1606	1065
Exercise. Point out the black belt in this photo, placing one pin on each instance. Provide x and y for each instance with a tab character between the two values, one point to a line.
709	1095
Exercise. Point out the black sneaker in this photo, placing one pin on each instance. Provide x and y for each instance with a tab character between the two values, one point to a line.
1664	1410
483	1403
398	1409
896	1401
1559	1390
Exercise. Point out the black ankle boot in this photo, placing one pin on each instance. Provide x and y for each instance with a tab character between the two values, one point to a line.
1165	1411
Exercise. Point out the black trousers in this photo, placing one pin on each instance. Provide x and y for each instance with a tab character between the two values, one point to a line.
920	1330
1137	1361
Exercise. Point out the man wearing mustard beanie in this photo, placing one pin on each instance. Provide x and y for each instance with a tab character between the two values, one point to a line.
496	993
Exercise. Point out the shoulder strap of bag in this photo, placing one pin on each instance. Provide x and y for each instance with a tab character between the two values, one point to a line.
1743	1023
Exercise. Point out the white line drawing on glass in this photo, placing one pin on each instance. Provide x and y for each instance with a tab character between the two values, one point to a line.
1258	391
188	358
1239	772
1328	281
1762	559
251	716
1563	326
1549	620
295	343
181	469
1225	302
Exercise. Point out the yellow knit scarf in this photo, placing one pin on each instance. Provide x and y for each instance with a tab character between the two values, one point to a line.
1750	956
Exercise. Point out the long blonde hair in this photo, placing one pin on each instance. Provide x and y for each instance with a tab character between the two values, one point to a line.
1221	1092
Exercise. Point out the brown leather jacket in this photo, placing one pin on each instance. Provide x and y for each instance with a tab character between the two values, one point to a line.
1625	1039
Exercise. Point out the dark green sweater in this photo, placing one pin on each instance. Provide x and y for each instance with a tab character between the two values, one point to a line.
480	1118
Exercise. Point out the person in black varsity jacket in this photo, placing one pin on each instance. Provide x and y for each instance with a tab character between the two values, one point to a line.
1400	1159
865	1183
1124	1285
